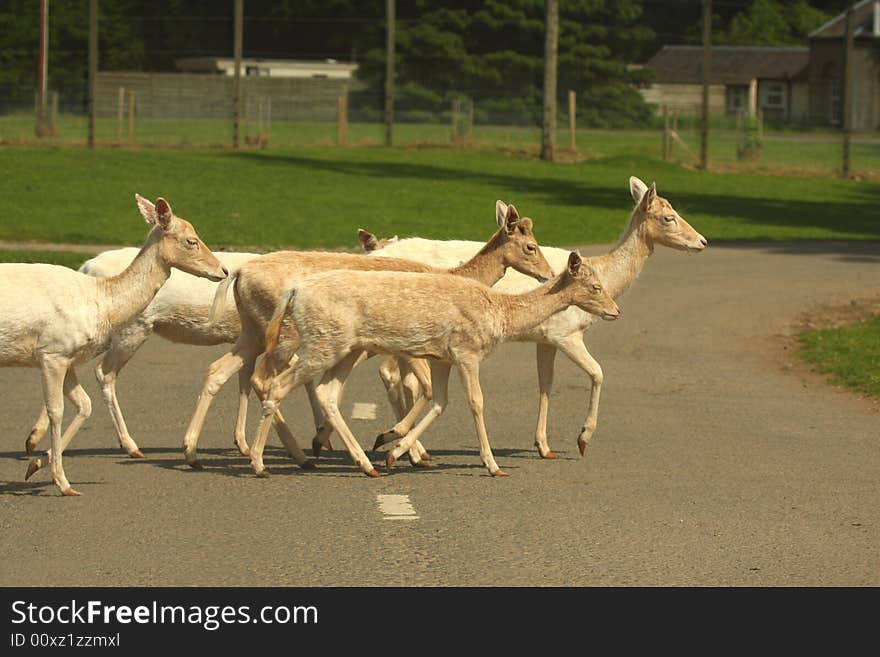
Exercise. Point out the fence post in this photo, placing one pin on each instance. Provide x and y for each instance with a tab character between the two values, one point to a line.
53	121
131	97
456	104
268	119
666	138
120	110
572	112
341	117
259	120
761	123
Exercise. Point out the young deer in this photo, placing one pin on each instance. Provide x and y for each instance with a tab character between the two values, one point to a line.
653	222
54	318
260	283
329	318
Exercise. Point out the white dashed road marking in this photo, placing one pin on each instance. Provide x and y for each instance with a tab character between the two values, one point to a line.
396	507
363	411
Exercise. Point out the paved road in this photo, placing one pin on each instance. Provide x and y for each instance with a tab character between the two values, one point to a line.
712	464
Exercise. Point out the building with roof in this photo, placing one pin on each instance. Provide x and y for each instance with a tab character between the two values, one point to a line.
743	78
825	69
800	85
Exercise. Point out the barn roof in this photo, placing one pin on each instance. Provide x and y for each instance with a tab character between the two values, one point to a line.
730	64
866	19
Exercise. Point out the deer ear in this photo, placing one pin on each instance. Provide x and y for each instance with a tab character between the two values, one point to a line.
525	225
637	188
511	220
148	210
368	240
574	263
163	213
500	213
648	197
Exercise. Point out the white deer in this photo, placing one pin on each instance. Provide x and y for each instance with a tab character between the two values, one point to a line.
54	318
653	221
326	320
178	313
260	283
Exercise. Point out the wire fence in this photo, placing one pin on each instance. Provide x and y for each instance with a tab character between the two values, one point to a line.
167	110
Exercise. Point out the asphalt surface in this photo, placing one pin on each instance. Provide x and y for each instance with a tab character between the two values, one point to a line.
714	463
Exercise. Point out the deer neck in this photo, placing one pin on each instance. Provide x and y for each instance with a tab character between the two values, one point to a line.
486	266
619	268
523	312
129	292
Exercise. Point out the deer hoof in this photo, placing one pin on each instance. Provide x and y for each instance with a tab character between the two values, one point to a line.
308	464
389	462
243	451
137	454
29	447
500	473
33	466
422	464
582	446
263	474
372	473
316	447
385	438
550	455
70	492
195	465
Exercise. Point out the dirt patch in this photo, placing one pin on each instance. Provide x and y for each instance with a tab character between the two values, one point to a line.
826	316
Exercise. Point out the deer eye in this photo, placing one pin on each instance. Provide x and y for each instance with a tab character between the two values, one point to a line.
669	218
597	287
531	248
192	242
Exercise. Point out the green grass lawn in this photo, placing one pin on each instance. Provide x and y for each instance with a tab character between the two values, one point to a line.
783	151
66	258
850	354
318	196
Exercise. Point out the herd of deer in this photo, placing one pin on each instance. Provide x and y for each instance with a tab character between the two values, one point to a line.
426	305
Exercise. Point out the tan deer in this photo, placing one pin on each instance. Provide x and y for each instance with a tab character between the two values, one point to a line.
328	319
259	284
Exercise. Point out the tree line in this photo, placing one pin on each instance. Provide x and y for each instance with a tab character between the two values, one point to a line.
490	51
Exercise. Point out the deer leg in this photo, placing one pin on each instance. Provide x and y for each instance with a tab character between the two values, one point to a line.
573	347
218	373
439	391
54	372
37	431
80	399
328	392
272	389
546	355
470	378
122	348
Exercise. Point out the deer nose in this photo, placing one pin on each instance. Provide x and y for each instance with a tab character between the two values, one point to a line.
704	242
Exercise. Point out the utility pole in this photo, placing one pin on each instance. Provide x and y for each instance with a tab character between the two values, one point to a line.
41	127
705	72
551	40
847	91
389	71
236	80
93	67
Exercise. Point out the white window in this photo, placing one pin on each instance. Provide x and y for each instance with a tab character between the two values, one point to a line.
775	96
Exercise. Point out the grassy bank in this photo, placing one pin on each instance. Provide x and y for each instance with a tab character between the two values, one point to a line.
851	354
318	197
